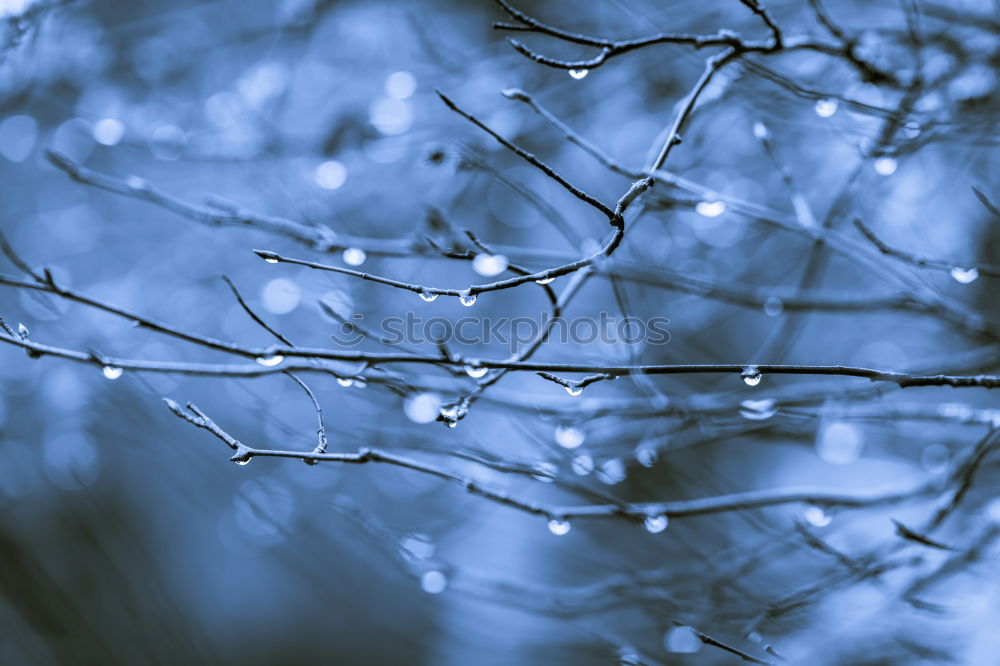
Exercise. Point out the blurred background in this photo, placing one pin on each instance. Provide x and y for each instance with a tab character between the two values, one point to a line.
129	538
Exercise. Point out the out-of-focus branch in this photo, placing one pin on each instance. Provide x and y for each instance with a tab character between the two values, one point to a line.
986	201
319	237
961	272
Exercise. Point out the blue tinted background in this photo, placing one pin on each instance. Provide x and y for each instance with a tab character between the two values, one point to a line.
126	535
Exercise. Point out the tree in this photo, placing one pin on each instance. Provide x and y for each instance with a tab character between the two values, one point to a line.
626	335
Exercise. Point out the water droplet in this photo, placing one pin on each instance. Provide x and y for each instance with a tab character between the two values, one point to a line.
627	656
281	296
826	107
354	256
466	298
647	456
655	524
271	260
583	465
475	371
242	456
885	166
559	526
934	458
710	208
111	372
547	280
451	414
910	130
839	443
964	275
108	131
760	130
345	381
330	175
401	85
991	510
22	330
433	582
168	142
545	472
489	265
757	410
574	390
816	516
428	296
136	183
419	546
682	640
18	133
569	437
773	306
751	375
270	361
611	472
957	411
422	407
578	73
